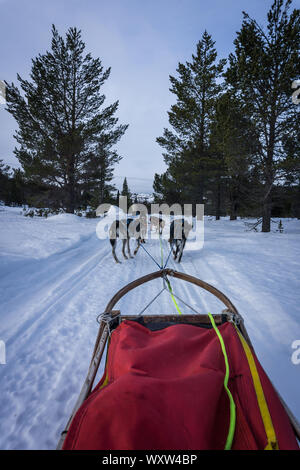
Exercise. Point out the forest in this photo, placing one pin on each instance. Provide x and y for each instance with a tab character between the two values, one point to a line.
232	142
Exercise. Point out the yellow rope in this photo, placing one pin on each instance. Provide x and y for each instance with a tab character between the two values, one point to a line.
272	443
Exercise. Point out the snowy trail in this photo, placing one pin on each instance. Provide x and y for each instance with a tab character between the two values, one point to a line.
49	329
49	306
40	356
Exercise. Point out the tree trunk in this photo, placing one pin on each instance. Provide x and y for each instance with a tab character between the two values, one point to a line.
71	200
269	172
200	190
218	201
233	209
266	216
297	203
71	196
70	185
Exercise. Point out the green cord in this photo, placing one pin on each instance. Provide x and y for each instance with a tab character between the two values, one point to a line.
167	280
161	252
232	422
173	298
232	404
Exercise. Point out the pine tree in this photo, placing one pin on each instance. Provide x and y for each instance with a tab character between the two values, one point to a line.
4	168
99	174
262	69
126	192
17	188
4	182
166	188
117	198
290	166
280	227
233	143
60	117
196	90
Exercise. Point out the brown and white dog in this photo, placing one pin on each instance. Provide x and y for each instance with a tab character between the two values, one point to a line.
157	223
125	229
179	231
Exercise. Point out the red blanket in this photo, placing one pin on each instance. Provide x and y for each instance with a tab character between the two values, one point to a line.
164	390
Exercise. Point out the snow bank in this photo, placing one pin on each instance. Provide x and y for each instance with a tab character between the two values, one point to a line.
38	237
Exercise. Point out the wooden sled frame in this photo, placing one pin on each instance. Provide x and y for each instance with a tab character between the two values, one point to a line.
231	314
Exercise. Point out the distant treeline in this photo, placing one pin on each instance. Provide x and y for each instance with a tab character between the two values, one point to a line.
17	190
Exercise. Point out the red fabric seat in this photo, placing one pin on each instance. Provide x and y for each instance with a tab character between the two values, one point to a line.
165	391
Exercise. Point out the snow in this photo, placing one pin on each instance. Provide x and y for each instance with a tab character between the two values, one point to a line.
56	276
37	237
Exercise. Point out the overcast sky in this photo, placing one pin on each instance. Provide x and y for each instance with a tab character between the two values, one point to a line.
141	40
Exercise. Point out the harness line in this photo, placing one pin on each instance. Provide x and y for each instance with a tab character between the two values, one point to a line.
232	418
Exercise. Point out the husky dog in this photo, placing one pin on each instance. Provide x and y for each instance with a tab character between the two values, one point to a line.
122	227
179	231
158	223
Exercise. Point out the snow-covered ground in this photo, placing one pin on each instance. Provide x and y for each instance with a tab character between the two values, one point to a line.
56	276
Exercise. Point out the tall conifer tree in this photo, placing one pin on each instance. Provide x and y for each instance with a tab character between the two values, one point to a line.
234	145
262	69
126	192
61	117
196	89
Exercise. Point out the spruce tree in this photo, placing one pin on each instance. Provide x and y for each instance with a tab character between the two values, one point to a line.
166	188
61	117
233	143
196	89
117	198
262	69
4	182
126	192
290	167
99	174
17	187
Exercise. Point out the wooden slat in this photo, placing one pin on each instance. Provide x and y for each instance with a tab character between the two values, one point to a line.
192	319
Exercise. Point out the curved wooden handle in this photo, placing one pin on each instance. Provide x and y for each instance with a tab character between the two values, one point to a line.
170	272
161	273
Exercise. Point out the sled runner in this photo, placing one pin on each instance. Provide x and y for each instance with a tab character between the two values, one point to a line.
177	381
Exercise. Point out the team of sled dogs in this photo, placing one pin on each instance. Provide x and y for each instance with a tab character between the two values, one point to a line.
125	229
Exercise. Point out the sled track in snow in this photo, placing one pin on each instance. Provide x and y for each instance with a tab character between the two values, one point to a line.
50	325
60	291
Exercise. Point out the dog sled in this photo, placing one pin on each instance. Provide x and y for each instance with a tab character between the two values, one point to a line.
177	382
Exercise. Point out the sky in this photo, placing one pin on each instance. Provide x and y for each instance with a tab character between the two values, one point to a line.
142	41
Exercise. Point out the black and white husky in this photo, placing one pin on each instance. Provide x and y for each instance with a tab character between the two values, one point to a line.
125	229
179	231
